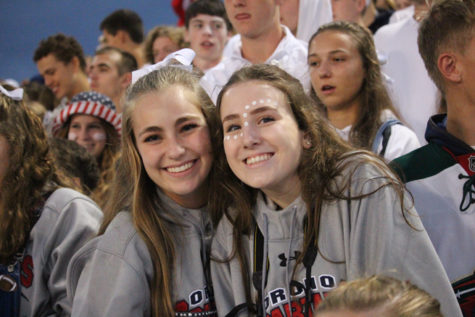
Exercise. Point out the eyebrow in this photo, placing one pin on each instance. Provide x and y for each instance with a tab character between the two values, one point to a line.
103	64
330	53
49	69
158	129
234	116
213	19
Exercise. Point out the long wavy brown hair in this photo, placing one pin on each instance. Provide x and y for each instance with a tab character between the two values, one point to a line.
31	174
107	160
374	95
329	158
134	191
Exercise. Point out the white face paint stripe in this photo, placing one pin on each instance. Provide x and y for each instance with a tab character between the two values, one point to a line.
99	136
245	115
72	136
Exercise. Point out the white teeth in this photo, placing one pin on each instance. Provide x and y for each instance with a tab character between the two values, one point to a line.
257	159
181	168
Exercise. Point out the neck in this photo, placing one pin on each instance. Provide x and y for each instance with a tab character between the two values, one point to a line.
81	84
137	51
369	15
204	64
343	117
259	49
117	103
460	114
284	196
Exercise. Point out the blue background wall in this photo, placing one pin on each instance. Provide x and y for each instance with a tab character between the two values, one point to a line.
23	23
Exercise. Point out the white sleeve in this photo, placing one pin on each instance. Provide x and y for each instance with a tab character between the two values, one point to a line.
401	141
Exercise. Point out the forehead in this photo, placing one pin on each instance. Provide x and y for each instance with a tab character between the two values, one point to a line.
162	41
206	18
49	60
84	119
250	95
332	40
110	58
174	100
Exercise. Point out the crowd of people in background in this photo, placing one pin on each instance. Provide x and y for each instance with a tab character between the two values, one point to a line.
266	158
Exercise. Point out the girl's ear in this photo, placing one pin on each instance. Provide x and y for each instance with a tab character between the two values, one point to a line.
307	141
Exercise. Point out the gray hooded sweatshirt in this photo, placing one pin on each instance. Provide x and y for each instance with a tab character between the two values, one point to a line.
358	238
67	221
111	275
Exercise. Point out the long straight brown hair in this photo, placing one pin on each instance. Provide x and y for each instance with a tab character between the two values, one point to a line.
325	170
133	190
374	95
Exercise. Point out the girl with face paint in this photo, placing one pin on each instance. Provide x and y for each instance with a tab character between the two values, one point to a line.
91	120
151	257
303	210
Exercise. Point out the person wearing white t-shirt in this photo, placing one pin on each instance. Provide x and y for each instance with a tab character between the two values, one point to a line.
260	39
304	17
348	86
412	91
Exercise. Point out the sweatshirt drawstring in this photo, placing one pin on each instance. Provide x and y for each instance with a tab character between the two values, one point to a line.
264	262
288	255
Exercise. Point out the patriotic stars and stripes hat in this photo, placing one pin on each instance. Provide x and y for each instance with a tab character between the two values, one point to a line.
91	103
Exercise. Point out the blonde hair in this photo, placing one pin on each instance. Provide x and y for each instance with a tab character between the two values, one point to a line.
133	189
385	294
175	34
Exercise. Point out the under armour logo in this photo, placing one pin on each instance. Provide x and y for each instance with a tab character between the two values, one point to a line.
283	258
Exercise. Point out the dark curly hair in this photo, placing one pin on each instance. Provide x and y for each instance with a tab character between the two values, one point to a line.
76	162
63	47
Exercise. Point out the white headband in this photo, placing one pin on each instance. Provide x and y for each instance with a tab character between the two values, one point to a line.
16	94
184	56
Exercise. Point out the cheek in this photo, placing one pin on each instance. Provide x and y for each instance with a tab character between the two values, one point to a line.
147	156
203	142
99	136
314	78
72	136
